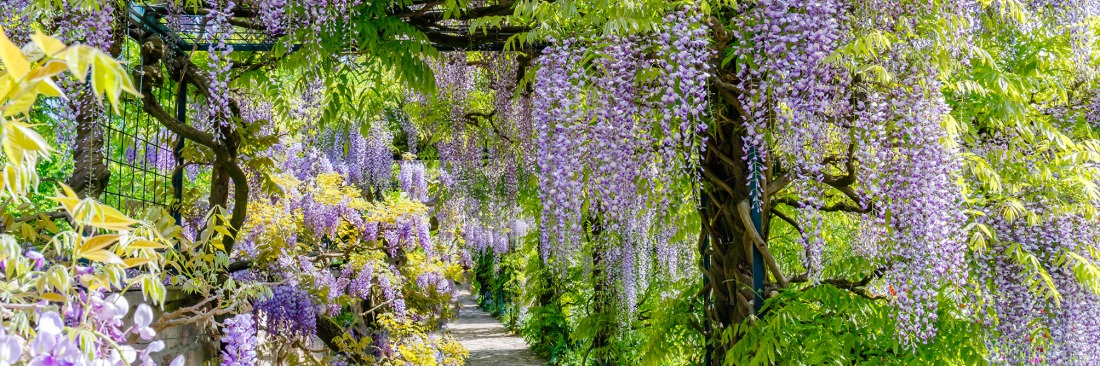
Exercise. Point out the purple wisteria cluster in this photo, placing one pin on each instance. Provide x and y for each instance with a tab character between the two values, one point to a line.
486	239
391	293
273	16
289	311
361	285
378	159
324	219
914	185
239	341
413	180
594	126
683	50
78	24
14	19
348	154
1028	327
559	117
406	233
55	341
790	93
802	105
436	282
219	31
453	78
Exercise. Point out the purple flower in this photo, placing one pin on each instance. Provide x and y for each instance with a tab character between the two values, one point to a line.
11	348
143	316
240	341
289	310
38	259
51	346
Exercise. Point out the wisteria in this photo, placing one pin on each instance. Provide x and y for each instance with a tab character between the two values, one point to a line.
592	127
332	181
289	311
219	31
273	15
378	158
240	341
413	181
1033	328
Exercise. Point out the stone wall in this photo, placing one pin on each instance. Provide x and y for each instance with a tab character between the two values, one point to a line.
197	345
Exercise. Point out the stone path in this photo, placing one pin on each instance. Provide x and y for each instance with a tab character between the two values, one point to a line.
489	342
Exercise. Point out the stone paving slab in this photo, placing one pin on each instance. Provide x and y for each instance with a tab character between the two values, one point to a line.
489	342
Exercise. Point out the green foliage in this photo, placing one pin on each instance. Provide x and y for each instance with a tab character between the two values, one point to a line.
827	325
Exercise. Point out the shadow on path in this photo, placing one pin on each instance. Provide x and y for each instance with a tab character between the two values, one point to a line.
489	342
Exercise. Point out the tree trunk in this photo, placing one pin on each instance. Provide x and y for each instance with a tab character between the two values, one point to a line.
90	174
728	292
729	274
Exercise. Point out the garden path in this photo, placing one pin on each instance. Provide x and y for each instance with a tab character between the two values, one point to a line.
489	342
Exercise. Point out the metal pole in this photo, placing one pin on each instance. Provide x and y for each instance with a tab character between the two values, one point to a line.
709	355
756	214
177	152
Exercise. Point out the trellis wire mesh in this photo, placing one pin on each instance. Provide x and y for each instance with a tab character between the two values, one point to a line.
138	150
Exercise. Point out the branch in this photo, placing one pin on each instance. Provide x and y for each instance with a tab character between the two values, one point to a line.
789	220
730	92
840	206
857	287
849	165
175	318
472	117
240	203
150	105
716	180
743	209
778	184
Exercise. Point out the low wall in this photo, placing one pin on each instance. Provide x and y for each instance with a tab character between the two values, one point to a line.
197	345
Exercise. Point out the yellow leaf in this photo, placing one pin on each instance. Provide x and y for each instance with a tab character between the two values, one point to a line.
98	242
145	244
48	88
12	181
50	45
102	256
53	296
106	75
77	58
46	71
134	262
69	193
7	86
27	138
20	104
223	230
112	219
12	57
68	203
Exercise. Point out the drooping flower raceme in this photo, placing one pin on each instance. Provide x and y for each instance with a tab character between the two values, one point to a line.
240	341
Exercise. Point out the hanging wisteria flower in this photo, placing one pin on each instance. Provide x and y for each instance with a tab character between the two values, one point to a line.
11	348
240	341
289	310
413	181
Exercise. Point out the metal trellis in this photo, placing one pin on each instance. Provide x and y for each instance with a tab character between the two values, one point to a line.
138	151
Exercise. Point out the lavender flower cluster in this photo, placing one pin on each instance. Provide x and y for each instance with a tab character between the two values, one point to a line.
56	343
413	180
593	130
793	97
219	31
290	311
240	341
